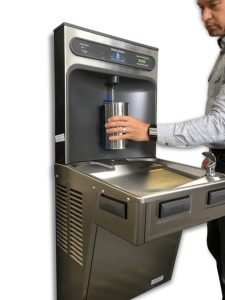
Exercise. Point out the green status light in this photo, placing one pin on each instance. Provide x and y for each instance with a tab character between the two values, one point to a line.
82	47
142	61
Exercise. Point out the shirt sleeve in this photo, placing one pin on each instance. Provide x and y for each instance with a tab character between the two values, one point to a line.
208	130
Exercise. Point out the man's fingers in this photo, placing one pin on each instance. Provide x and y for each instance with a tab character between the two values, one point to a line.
119	137
119	118
115	130
117	124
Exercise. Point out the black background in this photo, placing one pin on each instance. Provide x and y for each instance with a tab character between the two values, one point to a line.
186	57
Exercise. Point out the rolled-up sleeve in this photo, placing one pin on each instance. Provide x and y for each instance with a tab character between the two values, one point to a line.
208	130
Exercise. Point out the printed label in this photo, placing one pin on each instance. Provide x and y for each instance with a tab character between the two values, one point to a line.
154	281
144	57
60	138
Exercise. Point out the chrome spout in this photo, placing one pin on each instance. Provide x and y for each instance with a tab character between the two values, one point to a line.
211	166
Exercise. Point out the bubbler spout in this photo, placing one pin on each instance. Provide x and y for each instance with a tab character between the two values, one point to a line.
211	166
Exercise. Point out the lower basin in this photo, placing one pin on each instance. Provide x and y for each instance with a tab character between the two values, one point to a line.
143	177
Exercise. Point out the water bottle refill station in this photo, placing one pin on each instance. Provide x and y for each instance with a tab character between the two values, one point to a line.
120	211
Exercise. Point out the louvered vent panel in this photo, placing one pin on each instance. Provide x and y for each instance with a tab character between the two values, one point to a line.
76	226
61	217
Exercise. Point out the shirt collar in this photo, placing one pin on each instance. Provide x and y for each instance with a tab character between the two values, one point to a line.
221	42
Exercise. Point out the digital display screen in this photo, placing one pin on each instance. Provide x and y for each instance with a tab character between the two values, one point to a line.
141	61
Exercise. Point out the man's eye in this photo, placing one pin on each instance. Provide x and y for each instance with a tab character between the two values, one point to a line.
214	5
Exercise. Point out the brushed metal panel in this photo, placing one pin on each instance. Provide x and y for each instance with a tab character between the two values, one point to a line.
69	277
123	271
71	59
89	260
148	182
104	34
152	179
131	229
200	212
72	277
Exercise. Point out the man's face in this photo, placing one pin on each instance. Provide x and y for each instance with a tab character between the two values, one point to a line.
213	16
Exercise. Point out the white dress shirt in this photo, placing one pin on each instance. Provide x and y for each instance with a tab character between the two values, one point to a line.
208	130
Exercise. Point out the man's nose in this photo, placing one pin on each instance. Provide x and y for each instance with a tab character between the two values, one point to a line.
206	15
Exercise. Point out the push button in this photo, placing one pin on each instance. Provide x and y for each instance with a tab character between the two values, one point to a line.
113	206
216	197
174	207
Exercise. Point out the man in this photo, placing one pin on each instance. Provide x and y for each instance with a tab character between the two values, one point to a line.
208	130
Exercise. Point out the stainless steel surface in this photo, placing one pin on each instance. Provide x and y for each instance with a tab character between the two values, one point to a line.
103	165
73	59
111	83
69	65
72	277
162	174
143	182
104	34
151	178
113	94
211	166
91	246
123	271
142	226
101	255
131	229
74	280
111	110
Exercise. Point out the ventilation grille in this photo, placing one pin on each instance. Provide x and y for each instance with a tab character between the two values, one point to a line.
76	226
61	217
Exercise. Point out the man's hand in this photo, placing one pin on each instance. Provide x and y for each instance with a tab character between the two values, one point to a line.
135	129
205	162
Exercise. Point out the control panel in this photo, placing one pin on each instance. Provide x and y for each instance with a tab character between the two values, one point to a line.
111	54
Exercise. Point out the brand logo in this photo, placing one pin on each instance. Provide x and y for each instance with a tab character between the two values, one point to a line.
117	57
